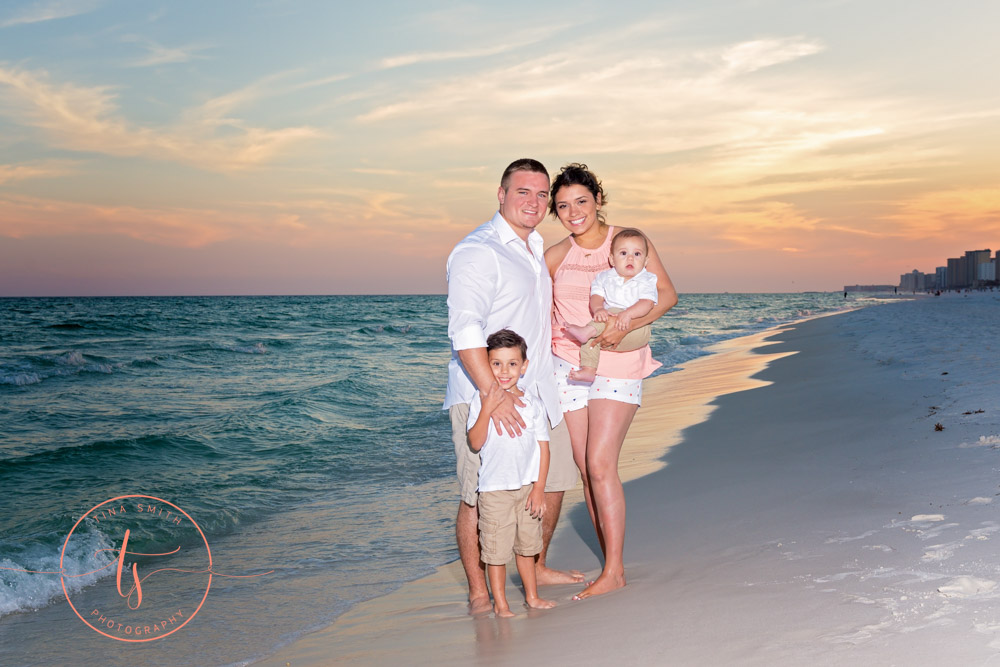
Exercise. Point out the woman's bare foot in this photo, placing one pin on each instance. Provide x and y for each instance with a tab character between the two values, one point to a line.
585	374
539	603
546	576
604	584
581	333
502	612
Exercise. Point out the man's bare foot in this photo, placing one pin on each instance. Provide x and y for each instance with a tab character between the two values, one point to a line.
581	333
539	603
604	584
480	605
583	375
546	576
503	612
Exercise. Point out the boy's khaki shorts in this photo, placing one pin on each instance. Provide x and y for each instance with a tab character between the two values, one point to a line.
562	476
506	528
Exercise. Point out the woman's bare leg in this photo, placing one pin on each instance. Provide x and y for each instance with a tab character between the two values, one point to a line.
576	423
608	423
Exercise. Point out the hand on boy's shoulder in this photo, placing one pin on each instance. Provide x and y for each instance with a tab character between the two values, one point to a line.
493	398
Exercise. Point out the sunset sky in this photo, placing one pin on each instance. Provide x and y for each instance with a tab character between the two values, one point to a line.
295	147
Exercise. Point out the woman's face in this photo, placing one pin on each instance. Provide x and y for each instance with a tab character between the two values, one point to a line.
576	208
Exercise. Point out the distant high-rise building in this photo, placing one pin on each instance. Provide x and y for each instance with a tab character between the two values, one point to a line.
986	272
941	277
975	258
957	270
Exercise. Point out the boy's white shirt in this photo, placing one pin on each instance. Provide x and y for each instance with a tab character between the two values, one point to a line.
508	463
621	293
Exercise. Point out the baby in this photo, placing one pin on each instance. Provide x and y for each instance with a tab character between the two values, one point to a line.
619	295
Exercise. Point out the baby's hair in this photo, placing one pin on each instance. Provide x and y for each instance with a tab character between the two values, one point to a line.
506	338
630	233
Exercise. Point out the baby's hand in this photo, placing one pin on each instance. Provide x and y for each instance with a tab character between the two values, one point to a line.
601	315
536	502
624	319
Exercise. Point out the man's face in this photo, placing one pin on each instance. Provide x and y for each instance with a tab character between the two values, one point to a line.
524	201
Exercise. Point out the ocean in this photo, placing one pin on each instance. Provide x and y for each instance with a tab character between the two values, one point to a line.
302	436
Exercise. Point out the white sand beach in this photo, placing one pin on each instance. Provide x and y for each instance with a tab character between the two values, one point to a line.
811	515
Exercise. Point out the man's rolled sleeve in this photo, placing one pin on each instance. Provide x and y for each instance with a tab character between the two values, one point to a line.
472	280
468	338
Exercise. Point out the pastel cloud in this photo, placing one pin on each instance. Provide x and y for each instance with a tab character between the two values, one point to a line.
950	214
10	173
50	10
87	119
157	54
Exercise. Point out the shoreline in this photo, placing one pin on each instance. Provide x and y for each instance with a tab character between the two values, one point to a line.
679	400
822	518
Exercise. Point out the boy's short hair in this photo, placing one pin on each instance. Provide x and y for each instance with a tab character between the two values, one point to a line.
506	338
630	233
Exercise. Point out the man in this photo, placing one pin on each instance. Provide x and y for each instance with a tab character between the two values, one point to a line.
497	279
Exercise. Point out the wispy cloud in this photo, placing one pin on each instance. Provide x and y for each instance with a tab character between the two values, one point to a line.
438	56
157	54
760	53
10	173
526	38
949	214
88	119
50	10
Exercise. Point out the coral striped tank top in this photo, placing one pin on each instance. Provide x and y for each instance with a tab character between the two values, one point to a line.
571	303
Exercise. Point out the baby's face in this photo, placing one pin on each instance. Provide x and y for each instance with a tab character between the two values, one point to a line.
628	257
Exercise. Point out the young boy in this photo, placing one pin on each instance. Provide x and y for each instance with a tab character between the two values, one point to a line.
510	505
619	294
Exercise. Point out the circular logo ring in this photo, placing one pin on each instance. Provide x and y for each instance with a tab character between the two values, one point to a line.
62	577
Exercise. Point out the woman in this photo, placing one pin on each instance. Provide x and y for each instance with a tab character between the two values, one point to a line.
597	415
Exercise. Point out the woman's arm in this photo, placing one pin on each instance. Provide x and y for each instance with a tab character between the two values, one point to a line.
666	298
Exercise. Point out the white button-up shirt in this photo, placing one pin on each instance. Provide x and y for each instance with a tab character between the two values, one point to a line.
495	283
621	293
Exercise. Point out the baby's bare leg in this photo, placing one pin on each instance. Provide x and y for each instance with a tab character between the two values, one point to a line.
589	356
526	568
498	584
582	333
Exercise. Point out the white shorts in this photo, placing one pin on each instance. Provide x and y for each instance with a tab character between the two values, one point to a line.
574	395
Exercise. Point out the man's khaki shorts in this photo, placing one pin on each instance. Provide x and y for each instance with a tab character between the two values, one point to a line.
506	528
563	474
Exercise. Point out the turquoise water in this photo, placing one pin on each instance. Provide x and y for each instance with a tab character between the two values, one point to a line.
303	434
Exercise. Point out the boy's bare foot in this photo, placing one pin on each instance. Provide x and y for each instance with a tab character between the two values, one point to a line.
581	333
539	603
546	576
480	605
503	612
604	584
585	374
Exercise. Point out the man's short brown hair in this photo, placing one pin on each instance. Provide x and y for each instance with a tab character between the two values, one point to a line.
524	164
